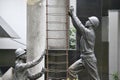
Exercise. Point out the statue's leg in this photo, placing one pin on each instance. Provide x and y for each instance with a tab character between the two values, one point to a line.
91	66
75	68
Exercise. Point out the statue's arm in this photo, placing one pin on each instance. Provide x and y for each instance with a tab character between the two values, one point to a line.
38	75
76	22
32	63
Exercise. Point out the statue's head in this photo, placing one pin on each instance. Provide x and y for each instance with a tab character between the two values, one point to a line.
20	52
94	21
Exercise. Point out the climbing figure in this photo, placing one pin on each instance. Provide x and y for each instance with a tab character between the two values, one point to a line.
88	60
21	66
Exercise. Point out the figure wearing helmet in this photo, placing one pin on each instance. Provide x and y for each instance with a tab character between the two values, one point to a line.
21	67
94	21
88	60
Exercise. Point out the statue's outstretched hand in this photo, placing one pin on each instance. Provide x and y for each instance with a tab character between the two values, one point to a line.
43	54
44	70
71	10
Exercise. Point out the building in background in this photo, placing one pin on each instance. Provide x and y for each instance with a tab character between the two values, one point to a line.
8	45
14	13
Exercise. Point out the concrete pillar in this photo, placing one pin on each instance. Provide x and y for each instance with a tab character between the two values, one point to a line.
114	42
36	31
119	44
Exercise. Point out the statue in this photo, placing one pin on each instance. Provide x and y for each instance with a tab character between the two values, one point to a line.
88	60
21	67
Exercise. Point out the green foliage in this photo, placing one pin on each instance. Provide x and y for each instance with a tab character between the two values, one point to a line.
72	38
115	76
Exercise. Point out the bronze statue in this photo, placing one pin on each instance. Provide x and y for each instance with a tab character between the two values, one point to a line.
21	66
88	60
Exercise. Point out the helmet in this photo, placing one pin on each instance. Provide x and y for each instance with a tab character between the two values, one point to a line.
94	20
19	52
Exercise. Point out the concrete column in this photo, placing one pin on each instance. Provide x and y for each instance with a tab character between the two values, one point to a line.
36	31
114	42
119	43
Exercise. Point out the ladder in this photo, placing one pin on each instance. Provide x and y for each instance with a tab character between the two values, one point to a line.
57	26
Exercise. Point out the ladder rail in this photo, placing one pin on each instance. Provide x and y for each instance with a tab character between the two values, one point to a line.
46	77
67	40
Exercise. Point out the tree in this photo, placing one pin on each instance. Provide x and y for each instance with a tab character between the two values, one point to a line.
72	38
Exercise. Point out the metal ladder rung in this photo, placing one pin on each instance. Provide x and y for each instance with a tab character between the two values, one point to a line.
56	38
56	14
57	78
57	71
57	54
56	6
57	30
57	50
55	22
57	63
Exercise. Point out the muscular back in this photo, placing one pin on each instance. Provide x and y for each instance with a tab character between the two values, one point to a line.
20	74
87	41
